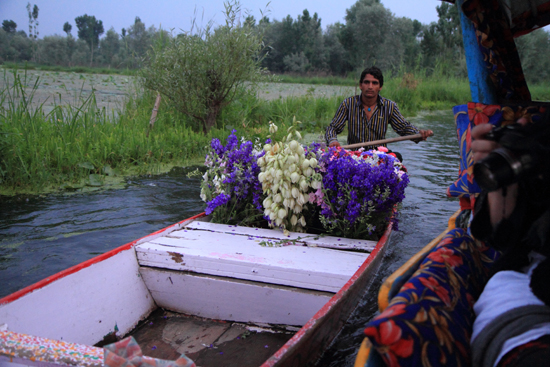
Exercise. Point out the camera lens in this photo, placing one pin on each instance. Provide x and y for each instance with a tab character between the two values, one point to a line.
500	168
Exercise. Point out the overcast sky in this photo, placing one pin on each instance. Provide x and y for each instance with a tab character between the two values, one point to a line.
177	14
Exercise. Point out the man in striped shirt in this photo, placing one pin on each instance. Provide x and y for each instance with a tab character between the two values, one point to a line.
369	114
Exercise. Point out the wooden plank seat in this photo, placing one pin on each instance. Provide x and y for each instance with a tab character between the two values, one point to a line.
285	281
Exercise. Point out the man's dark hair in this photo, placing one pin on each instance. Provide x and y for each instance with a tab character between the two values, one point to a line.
375	72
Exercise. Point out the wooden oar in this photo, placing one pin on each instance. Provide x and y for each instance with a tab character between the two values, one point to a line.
383	141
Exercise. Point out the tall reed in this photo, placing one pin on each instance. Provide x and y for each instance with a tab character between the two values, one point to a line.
81	143
71	143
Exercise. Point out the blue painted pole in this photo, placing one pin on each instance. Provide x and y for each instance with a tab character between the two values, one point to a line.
481	86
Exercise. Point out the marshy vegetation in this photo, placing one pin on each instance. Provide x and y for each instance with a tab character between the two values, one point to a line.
207	91
81	144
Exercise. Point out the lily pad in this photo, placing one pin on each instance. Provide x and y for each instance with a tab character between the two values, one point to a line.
71	186
87	165
95	180
107	170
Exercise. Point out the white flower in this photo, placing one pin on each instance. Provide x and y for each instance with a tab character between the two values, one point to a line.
301	199
272	128
261	161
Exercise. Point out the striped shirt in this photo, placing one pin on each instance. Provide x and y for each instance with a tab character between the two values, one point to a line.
360	128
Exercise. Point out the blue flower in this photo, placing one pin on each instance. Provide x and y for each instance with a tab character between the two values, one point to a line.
231	187
360	191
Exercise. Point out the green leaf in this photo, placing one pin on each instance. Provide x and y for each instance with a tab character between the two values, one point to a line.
107	170
86	165
95	180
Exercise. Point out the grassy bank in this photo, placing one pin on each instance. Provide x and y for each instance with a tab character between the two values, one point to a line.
74	147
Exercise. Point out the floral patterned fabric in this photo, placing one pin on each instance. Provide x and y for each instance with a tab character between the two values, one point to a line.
127	353
466	118
496	43
429	322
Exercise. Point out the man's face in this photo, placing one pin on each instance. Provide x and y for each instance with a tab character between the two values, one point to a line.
370	86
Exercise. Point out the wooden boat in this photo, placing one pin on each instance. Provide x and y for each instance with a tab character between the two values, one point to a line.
408	296
207	287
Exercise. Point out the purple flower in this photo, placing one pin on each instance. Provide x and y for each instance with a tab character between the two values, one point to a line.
232	190
359	193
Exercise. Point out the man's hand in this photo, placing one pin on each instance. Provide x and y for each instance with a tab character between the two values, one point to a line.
334	144
426	134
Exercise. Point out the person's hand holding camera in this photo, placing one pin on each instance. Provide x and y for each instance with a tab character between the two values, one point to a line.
502	201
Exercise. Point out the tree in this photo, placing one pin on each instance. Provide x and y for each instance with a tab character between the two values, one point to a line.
296	45
67	28
139	39
109	47
9	26
89	30
534	51
448	25
33	20
370	35
54	50
202	72
338	59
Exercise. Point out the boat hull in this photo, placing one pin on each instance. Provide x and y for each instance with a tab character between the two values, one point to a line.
110	294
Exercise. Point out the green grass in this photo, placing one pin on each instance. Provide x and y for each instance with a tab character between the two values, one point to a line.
73	147
83	145
323	80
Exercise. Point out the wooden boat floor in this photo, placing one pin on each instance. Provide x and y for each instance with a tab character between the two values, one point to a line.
167	335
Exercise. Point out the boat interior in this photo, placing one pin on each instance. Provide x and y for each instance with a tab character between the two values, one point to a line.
212	292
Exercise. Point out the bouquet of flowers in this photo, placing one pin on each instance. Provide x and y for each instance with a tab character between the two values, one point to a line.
348	193
288	174
359	191
230	186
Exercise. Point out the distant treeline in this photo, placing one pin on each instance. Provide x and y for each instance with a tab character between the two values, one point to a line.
370	35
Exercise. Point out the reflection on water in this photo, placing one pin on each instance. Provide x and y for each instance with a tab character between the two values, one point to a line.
40	236
432	167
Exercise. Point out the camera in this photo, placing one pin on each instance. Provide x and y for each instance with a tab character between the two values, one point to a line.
523	154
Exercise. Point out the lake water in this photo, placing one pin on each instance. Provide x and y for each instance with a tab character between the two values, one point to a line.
42	235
